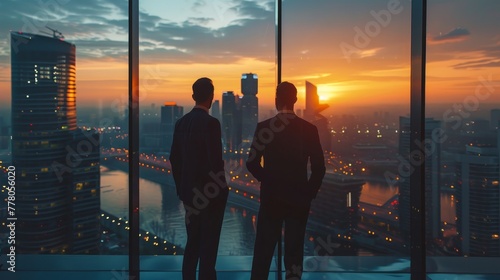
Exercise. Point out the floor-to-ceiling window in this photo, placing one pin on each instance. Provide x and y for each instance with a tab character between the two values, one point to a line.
350	61
462	114
233	44
64	129
63	135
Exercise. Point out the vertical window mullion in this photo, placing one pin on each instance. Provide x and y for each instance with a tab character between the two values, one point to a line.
417	125
133	129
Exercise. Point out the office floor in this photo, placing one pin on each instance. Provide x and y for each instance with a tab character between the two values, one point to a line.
114	267
232	275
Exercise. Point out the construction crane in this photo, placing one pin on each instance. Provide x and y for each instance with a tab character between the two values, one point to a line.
55	33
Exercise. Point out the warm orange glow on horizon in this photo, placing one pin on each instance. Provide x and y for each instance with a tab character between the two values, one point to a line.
100	83
374	71
104	83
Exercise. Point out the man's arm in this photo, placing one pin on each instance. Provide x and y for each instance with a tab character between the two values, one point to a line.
317	163
176	159
214	150
255	156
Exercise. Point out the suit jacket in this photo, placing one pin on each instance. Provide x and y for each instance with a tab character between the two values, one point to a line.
286	143
196	155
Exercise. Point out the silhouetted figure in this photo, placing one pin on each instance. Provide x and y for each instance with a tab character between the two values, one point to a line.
198	170
286	143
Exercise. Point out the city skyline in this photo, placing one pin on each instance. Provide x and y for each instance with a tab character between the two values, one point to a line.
359	149
460	48
42	73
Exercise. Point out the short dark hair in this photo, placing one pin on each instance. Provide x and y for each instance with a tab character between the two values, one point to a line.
203	89
286	94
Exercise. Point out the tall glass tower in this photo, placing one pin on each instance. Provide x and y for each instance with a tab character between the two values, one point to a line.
432	151
170	113
478	200
249	107
216	110
312	114
228	120
46	149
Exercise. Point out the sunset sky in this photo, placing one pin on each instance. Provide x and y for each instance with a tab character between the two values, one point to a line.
356	52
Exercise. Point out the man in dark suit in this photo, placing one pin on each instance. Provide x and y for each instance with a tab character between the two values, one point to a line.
285	143
198	170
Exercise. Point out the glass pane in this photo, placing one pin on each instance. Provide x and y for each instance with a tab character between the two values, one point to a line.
350	61
462	77
63	78
232	43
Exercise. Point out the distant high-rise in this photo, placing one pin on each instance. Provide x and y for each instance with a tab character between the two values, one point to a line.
170	113
150	129
312	114
231	121
216	110
337	202
313	107
249	84
249	108
432	179
495	119
58	183
238	125
85	206
228	108
4	135
478	200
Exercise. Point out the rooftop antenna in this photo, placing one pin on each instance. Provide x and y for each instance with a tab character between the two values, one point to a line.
55	33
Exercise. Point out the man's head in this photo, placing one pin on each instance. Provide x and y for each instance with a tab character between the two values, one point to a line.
203	92
286	96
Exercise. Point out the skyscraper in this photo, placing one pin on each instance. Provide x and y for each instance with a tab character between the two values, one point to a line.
313	106
249	107
249	84
150	129
50	154
337	202
494	119
229	119
170	113
312	114
478	200
85	200
216	110
4	135
432	179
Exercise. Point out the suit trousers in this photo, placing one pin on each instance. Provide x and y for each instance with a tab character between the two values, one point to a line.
203	234
269	227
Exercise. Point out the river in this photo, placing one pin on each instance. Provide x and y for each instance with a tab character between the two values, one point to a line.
163	214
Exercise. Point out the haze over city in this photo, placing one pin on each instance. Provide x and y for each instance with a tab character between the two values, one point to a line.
350	60
358	54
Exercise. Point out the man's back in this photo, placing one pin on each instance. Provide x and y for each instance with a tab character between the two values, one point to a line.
287	142
198	170
196	152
